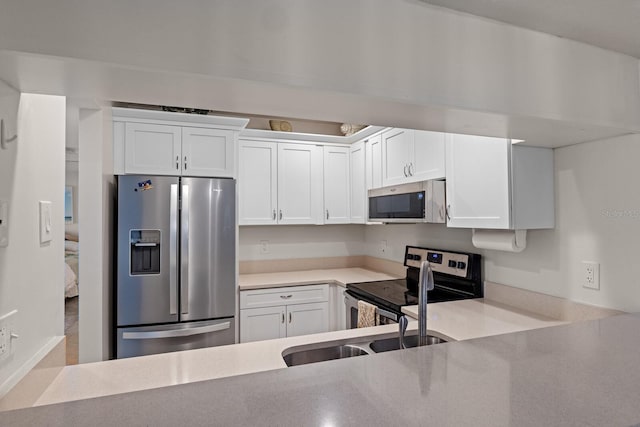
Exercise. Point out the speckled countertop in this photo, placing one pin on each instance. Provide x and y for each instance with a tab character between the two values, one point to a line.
455	320
580	374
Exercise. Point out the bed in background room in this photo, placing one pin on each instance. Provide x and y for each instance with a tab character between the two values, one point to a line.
71	261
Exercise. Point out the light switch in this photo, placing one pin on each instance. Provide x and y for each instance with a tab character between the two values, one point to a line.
4	223
46	233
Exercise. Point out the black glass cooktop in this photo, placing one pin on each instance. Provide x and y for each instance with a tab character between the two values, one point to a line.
394	294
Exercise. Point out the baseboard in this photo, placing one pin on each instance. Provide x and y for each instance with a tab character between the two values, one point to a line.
29	381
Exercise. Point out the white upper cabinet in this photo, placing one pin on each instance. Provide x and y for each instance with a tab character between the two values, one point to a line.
494	184
411	156
336	185
374	162
299	184
396	149
428	156
152	149
162	143
258	183
207	152
279	183
358	192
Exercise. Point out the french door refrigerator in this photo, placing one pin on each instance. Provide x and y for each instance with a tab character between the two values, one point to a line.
175	264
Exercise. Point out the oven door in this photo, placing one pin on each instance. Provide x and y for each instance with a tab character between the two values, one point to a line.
351	305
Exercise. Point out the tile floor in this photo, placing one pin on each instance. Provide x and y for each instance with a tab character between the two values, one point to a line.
71	329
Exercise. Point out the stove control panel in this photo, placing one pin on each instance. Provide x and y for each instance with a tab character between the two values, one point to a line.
443	262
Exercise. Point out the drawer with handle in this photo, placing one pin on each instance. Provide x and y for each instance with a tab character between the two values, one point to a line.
284	296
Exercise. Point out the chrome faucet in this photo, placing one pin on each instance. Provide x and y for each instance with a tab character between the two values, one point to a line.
425	284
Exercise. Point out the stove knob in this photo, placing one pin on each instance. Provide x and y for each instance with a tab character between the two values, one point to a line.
409	256
452	263
462	265
417	257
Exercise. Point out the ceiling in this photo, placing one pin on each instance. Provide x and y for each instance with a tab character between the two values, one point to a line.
609	24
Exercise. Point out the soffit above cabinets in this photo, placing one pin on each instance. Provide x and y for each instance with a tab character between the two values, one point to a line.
609	24
95	84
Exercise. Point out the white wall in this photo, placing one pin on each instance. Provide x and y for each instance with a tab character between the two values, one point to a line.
301	241
96	214
31	274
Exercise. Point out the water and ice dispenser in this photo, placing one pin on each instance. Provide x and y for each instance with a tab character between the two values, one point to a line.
145	252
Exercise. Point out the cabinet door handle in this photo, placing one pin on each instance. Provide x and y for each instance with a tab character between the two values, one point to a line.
289	317
405	171
286	296
280	213
177	162
185	162
327	213
274	214
447	211
411	169
282	317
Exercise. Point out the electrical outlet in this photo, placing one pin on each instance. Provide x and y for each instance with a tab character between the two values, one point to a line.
591	275
6	334
264	246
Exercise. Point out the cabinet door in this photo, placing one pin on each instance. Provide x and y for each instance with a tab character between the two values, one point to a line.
428	156
358	183
374	162
257	324
299	184
152	149
207	152
258	183
304	319
478	181
336	185
397	146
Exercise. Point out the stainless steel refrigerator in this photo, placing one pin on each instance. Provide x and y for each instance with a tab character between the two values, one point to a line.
175	264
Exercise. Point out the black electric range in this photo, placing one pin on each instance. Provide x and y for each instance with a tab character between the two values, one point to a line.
457	275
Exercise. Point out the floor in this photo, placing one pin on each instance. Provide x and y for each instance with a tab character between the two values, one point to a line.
71	329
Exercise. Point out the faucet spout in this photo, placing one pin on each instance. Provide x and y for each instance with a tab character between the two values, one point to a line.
425	284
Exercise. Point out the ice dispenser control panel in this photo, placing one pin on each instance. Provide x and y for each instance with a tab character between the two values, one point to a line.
145	252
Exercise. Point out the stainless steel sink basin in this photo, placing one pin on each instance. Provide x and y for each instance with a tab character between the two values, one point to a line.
303	357
389	344
341	349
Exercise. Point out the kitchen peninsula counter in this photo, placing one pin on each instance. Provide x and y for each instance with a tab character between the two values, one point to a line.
585	373
450	320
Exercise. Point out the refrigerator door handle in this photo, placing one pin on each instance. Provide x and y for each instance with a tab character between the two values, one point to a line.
173	251
176	332
184	279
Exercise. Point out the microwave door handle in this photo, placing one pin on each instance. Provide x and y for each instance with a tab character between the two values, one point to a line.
173	250
184	279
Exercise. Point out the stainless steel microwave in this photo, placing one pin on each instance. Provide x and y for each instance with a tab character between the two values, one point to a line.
410	203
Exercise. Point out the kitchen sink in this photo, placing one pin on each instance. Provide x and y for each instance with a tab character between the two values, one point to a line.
303	357
389	344
332	350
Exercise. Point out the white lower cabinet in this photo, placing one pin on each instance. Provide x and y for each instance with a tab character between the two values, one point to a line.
257	324
283	312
